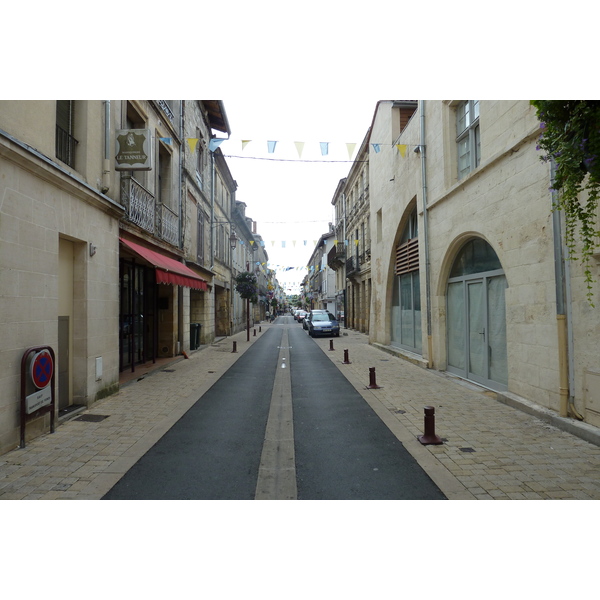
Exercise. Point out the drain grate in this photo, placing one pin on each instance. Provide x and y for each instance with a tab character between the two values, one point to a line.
466	449
91	418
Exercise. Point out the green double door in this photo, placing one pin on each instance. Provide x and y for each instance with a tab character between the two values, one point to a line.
477	329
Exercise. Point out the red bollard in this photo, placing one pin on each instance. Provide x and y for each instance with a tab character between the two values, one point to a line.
331	345
346	360
372	382
429	437
234	348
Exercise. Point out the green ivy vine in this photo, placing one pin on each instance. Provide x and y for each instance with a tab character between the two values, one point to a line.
570	136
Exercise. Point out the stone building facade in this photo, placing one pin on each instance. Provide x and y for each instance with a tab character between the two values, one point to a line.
468	260
115	242
351	257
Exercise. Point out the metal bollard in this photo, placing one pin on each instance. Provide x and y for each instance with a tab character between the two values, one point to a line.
346	360
259	329
372	382
331	345
234	348
254	332
429	437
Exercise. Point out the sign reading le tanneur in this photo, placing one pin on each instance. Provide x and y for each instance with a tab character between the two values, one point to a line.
134	150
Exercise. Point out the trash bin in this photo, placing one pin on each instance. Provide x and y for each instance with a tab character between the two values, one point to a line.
195	336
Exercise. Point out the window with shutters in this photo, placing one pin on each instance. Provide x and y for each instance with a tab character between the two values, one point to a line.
407	250
65	125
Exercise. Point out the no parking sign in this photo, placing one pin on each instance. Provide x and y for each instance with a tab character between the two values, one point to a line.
37	385
42	368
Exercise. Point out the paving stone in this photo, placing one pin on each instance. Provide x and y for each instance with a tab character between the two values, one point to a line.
517	456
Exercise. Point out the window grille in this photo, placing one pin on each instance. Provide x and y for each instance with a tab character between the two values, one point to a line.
65	142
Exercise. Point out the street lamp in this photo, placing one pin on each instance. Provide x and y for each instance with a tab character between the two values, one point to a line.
233	239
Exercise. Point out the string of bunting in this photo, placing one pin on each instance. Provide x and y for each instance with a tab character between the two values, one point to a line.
214	143
262	243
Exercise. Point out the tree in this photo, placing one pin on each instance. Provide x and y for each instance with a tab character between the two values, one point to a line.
570	136
245	286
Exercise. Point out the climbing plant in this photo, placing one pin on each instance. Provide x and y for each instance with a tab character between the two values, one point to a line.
570	137
245	286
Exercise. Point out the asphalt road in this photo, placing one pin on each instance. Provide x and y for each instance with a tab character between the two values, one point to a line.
342	450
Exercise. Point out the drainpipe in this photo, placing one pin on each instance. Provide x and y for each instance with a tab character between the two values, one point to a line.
106	163
421	150
345	246
212	211
180	311
563	315
181	159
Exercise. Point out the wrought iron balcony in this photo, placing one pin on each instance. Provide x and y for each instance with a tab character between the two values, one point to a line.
139	203
169	225
335	258
352	266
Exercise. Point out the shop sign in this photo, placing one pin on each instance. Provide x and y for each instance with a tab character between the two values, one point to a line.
134	150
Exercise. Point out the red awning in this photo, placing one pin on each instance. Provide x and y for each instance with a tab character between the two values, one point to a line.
168	270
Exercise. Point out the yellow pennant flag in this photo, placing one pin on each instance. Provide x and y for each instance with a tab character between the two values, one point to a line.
350	149
245	143
356	242
401	149
251	242
192	142
299	148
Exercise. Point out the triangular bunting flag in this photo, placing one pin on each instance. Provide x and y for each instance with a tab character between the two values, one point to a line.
376	147
245	143
192	143
324	148
401	149
215	143
299	148
350	148
166	140
271	146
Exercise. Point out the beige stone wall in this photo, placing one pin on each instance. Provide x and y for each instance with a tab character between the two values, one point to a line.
38	208
505	201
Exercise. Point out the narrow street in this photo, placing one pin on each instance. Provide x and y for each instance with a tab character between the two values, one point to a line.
303	431
281	423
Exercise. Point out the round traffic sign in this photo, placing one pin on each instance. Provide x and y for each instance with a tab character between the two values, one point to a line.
42	369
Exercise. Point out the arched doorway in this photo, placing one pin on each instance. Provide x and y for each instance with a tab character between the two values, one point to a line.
406	292
476	316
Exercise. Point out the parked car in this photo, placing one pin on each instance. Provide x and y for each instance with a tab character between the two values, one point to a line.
300	315
308	316
323	324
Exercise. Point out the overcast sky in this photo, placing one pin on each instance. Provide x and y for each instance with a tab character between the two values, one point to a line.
288	191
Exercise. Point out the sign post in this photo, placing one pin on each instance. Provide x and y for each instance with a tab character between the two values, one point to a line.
37	386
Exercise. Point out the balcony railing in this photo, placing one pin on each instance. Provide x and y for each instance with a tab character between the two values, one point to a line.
169	226
351	266
335	257
65	146
139	203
